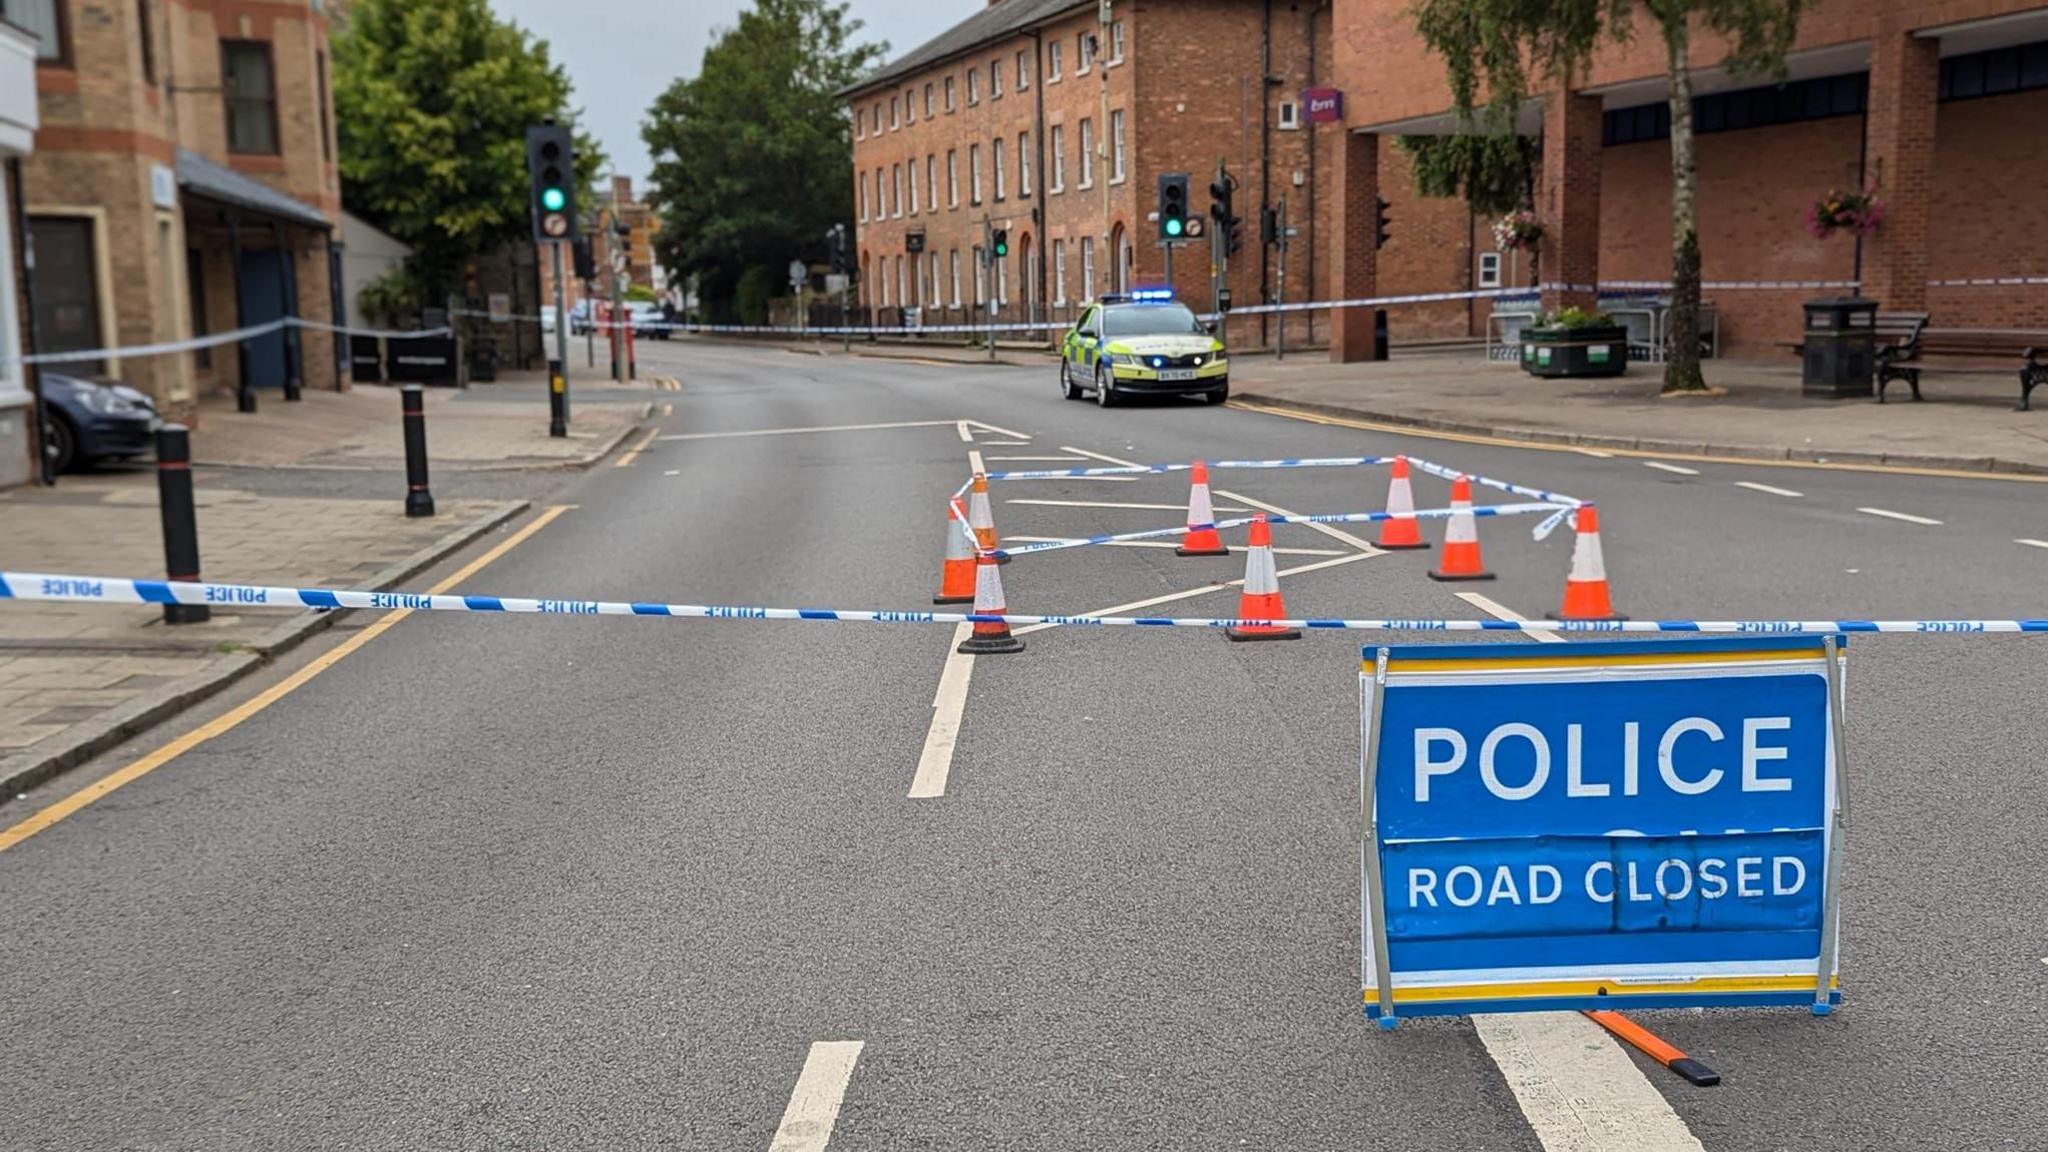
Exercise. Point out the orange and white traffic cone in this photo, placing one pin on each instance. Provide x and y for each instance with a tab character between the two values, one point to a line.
994	637
956	575
1585	590
1461	538
1261	597
1403	532
980	519
1201	538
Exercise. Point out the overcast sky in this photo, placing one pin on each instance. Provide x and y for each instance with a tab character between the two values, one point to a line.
621	62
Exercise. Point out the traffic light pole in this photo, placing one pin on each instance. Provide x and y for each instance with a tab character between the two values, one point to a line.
561	335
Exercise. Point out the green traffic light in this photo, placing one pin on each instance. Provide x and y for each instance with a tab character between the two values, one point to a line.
553	199
1175	227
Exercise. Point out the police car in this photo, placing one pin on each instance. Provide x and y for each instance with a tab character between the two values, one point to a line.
1143	342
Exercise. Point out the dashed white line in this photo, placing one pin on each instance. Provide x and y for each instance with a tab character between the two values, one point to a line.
1117	504
1675	469
961	427
974	463
1577	1088
2031	543
1091	479
1907	517
935	763
1043	459
1501	611
673	472
1007	443
1171	544
1770	489
814	1104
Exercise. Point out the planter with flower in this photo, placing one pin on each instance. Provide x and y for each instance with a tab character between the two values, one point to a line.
1855	212
1575	342
1518	231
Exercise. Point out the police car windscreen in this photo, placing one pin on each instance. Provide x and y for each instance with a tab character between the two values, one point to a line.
1150	320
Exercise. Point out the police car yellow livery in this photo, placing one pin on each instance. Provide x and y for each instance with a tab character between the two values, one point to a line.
1142	342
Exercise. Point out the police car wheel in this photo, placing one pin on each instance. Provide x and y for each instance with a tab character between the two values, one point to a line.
1105	396
1067	388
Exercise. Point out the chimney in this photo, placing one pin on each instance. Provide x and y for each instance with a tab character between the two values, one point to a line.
622	189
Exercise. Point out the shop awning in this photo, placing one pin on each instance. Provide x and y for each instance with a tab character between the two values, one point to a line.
201	177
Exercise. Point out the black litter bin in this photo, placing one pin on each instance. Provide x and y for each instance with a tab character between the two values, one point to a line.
1841	347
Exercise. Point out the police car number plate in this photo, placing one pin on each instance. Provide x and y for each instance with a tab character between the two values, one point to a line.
1176	373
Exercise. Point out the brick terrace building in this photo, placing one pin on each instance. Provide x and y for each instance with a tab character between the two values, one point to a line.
1940	104
1042	117
184	182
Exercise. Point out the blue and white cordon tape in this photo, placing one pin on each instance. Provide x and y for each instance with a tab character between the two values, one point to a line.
109	590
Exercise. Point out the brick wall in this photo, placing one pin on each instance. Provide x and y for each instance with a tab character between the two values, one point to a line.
1988	211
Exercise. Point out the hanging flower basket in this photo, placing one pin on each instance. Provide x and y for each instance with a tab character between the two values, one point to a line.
1856	212
1518	231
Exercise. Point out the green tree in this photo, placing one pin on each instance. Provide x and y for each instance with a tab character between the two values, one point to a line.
1494	44
432	100
1496	174
752	156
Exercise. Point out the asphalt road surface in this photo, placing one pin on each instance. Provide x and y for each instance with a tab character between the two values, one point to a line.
581	883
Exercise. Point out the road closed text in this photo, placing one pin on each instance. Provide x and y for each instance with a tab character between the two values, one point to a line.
1669	880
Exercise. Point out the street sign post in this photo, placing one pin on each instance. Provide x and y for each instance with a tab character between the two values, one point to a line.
1600	825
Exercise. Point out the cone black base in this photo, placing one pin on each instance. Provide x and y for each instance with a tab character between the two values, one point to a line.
1282	634
1447	578
1185	551
969	599
1402	547
990	645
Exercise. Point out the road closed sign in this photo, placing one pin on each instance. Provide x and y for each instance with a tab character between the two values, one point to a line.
1600	825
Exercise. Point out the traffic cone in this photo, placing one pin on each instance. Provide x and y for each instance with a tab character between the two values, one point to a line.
989	638
1403	533
1585	590
981	520
1261	597
956	575
1201	538
1461	538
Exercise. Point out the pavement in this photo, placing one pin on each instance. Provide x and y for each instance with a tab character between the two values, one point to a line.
621	882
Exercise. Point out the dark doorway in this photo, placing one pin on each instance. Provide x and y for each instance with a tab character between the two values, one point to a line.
259	281
67	290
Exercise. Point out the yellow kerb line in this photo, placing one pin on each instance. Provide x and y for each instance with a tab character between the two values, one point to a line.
229	721
633	453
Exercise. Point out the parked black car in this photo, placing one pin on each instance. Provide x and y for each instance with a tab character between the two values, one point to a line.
91	420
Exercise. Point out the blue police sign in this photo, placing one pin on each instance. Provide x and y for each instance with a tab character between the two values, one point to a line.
1600	825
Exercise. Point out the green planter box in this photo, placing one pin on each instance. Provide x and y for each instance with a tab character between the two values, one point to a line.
1575	351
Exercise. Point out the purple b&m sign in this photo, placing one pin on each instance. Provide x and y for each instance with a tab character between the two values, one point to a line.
1323	105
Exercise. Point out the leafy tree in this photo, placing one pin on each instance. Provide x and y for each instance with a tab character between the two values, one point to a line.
752	160
1496	174
433	99
1494	44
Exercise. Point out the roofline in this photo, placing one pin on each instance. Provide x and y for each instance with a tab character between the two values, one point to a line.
883	78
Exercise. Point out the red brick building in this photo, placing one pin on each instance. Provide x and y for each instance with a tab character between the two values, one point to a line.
1054	119
1938	104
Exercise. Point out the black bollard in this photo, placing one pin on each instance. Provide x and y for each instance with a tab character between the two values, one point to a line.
418	500
558	400
1379	334
181	522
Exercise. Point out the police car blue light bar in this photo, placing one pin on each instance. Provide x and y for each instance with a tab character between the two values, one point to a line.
1151	295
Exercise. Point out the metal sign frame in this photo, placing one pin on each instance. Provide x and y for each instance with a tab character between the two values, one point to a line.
1697	979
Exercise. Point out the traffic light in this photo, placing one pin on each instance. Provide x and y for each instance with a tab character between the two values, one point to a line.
1381	226
1173	206
551	163
586	264
1000	245
1220	209
1269	227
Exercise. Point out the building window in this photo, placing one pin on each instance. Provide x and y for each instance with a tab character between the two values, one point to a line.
895	113
1116	147
909	106
1116	42
246	81
995	79
1052	63
1023	70
876	127
974	173
927	99
953	261
896	191
931	180
952	178
1023	163
1087	153
860	125
1489	269
67	305
1084	53
43	19
902	285
980	277
996	152
149	43
1059	159
973	86
949	94
913	187
1002	271
1059	272
1088	267
863	197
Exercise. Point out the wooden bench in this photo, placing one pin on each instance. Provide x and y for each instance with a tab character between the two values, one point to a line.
1897	339
2028	346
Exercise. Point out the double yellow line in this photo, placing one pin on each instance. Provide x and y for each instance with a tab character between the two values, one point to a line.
229	721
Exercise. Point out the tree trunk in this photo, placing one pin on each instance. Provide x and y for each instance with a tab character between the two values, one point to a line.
1682	367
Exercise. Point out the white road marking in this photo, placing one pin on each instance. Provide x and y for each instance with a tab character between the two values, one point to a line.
1191	593
1101	457
1116	504
935	763
1577	1088
974	463
983	424
961	427
1171	544
799	431
1049	459
1660	466
1090	479
1325	529
1499	611
1595	453
1770	489
673	472
814	1105
1007	443
1908	517
2032	543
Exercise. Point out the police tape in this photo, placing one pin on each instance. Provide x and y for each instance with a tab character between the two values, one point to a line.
193	344
31	586
1319	518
